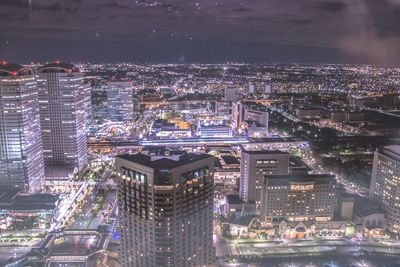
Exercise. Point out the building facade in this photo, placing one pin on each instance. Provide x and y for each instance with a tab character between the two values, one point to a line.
250	117
385	184
254	166
166	210
63	114
231	92
88	105
120	101
21	156
309	197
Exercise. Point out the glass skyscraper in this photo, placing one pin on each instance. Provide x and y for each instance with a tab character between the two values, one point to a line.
21	156
63	113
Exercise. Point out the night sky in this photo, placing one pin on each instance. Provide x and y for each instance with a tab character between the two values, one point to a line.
185	31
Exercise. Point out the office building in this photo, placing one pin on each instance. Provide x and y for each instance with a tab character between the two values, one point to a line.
28	211
120	101
254	166
216	127
63	118
166	210
309	197
250	117
385	184
237	114
21	156
251	88
231	93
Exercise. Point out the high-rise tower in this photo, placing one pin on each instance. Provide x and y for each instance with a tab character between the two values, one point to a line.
385	183
254	166
62	98
120	101
166	210
21	156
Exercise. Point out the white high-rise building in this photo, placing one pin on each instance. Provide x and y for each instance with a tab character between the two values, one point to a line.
254	166
231	92
250	113
62	95
21	156
385	184
251	88
120	101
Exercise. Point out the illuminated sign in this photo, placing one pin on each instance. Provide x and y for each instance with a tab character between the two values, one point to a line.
301	187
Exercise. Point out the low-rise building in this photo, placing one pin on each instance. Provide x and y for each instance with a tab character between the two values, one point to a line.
33	211
307	197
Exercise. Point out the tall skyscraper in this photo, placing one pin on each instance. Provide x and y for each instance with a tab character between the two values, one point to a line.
166	210
21	156
120	101
63	116
254	166
385	184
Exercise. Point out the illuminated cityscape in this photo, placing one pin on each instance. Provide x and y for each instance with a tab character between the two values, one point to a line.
177	174
210	133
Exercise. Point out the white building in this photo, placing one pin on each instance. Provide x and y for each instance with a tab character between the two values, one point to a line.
120	101
254	166
306	197
385	184
231	93
21	156
250	117
62	96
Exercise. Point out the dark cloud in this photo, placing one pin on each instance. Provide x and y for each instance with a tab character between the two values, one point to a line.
208	31
13	3
333	6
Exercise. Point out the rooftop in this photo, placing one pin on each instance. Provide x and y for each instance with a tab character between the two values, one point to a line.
393	150
60	67
233	199
364	206
16	201
8	68
230	160
260	152
163	162
243	220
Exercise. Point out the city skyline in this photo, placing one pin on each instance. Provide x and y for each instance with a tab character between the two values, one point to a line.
193	164
205	133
